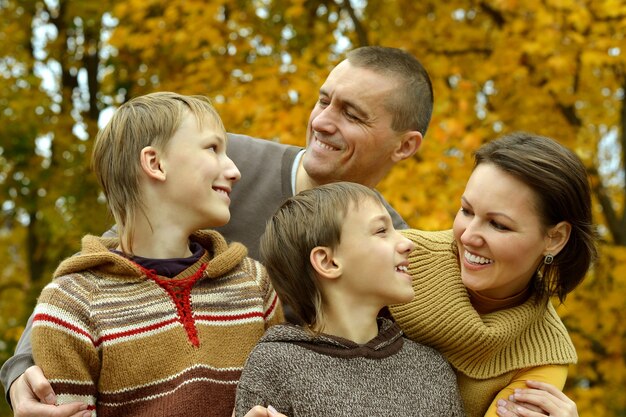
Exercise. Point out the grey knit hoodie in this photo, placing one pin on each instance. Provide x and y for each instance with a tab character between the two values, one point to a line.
304	375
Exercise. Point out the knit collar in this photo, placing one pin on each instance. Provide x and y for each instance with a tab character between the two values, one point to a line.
95	254
388	341
484	305
480	346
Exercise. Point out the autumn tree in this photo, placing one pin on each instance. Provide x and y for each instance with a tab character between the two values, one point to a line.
49	103
554	67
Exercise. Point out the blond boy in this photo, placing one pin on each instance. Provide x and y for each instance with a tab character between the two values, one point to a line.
160	321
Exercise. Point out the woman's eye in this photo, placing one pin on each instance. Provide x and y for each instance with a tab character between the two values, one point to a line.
498	226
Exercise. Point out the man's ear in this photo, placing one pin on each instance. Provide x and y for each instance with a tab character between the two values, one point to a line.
408	145
323	262
151	164
557	238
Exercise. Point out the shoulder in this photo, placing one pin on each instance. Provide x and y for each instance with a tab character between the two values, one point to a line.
240	145
254	269
430	239
427	358
271	355
256	274
83	282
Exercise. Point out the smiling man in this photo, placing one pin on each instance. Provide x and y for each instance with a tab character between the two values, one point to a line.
372	112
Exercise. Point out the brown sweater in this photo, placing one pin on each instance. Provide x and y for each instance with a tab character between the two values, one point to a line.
128	342
304	375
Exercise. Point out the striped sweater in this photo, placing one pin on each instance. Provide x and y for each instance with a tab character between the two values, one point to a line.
128	342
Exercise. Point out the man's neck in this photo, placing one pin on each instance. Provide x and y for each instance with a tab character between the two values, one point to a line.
303	180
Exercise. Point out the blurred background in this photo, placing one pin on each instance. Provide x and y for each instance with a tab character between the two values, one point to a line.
554	67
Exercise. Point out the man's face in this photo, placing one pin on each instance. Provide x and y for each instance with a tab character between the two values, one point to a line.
349	136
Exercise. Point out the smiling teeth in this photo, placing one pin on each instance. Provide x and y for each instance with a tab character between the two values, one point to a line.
325	146
475	259
219	190
402	268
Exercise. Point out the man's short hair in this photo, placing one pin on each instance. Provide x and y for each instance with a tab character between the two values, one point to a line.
411	106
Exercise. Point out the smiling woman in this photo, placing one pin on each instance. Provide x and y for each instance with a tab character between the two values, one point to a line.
482	291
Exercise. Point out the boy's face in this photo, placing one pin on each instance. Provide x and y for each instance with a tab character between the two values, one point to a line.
373	256
199	175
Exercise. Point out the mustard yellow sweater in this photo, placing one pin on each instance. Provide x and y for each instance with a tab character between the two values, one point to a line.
485	350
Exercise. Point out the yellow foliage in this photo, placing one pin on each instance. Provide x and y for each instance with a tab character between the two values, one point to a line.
554	67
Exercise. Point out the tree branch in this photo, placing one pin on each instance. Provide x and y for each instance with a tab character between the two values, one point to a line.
622	140
610	215
358	26
495	15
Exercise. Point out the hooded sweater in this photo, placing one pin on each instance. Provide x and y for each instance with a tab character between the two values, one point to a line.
127	341
302	374
486	350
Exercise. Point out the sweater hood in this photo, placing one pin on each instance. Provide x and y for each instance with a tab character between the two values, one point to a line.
96	255
388	341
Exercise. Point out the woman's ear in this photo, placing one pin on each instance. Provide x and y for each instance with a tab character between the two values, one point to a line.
150	159
557	238
322	260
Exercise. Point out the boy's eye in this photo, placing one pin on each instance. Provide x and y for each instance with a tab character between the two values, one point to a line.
382	230
465	212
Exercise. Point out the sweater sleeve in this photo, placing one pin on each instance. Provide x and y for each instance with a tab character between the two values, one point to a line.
20	361
552	374
64	341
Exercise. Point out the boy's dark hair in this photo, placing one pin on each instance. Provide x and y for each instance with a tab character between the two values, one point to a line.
312	218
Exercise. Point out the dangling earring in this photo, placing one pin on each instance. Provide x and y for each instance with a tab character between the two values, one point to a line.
548	259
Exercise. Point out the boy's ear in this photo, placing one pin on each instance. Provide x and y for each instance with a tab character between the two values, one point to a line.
557	238
150	159
408	145
322	260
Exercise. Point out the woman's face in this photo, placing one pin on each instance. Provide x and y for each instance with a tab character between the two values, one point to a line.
499	234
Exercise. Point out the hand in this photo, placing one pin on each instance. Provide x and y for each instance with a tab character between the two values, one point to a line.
540	399
259	411
32	396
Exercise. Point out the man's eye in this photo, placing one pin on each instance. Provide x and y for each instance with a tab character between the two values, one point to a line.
351	117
